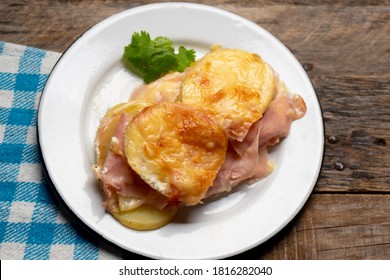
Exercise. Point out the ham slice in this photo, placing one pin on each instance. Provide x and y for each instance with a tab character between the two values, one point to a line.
118	178
116	175
248	160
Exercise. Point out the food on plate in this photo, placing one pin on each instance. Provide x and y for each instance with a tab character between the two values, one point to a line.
108	124
235	85
167	88
247	160
176	149
191	135
145	217
123	191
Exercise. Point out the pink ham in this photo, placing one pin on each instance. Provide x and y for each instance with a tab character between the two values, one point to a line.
248	160
119	178
116	175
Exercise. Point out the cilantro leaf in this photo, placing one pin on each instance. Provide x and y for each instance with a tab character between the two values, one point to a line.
151	59
184	58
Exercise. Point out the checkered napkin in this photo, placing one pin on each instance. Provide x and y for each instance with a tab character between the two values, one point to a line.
32	225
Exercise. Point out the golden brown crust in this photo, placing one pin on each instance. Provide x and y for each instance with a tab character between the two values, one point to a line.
235	85
177	149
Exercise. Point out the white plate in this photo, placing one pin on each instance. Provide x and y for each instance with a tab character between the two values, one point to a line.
90	77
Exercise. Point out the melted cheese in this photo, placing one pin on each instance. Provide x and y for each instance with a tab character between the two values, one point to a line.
165	89
235	85
177	149
105	139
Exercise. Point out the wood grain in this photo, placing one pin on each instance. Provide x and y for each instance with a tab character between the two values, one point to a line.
333	226
356	111
344	45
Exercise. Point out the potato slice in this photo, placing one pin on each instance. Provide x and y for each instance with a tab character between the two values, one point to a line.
105	132
108	125
129	203
165	89
235	85
146	217
132	212
177	149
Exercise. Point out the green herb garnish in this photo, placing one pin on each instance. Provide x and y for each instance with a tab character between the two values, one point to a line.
151	59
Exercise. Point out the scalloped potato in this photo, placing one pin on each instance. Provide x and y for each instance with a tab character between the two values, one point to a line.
188	136
145	217
131	212
108	125
165	89
177	149
235	85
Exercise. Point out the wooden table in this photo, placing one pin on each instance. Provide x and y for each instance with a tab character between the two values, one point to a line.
345	48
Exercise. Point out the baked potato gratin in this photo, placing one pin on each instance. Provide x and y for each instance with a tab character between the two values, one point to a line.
188	136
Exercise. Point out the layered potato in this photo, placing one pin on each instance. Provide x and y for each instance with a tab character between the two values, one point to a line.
177	149
108	125
235	85
177	133
132	212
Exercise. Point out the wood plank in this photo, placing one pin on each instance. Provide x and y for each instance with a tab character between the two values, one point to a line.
51	25
357	118
333	226
316	33
334	40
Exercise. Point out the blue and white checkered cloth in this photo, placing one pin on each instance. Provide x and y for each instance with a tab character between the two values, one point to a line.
32	225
